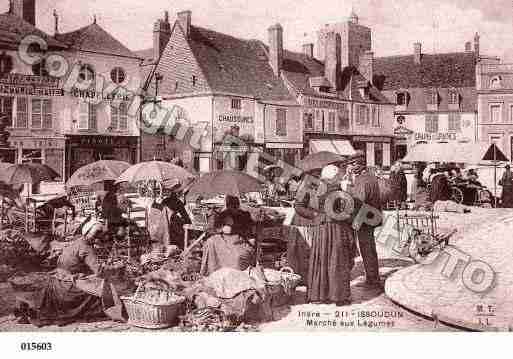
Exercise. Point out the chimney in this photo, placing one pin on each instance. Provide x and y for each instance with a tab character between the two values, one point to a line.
308	50
25	9
276	48
332	62
468	46
476	44
161	36
184	18
417	52
366	66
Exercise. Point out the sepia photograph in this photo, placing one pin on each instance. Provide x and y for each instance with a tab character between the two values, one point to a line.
255	167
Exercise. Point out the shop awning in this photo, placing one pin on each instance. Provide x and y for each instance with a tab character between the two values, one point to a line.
340	147
470	153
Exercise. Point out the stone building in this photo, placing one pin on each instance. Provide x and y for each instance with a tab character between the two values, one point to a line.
495	105
435	94
222	85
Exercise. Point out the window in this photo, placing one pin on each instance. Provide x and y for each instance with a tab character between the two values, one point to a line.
308	120
86	73
22	112
31	156
363	115
41	113
454	97
495	82
343	118
39	69
6	63
194	80
375	117
118	75
119	116
281	122
331	122
236	103
87	116
454	122
431	123
495	114
401	99
432	97
6	107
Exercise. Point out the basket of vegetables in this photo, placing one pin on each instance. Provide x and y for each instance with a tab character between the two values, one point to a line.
281	285
153	308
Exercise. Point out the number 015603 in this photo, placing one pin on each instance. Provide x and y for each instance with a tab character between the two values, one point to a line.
35	346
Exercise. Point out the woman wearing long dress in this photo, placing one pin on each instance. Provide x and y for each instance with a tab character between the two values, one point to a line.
507	188
333	247
62	301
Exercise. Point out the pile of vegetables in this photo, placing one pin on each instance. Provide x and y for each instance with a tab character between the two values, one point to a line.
13	247
159	297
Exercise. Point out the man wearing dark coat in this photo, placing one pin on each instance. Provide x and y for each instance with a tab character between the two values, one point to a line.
440	189
366	189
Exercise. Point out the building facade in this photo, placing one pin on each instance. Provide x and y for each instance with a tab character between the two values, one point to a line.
435	95
72	120
339	101
228	88
495	105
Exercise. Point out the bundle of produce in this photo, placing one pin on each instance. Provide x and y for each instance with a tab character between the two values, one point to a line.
281	285
29	282
207	320
13	247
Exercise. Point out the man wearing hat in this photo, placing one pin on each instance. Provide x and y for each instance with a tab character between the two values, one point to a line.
367	190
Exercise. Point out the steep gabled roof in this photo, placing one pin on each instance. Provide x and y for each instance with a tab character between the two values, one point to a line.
236	66
93	38
13	29
440	70
299	69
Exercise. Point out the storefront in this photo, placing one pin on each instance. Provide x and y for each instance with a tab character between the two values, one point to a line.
84	149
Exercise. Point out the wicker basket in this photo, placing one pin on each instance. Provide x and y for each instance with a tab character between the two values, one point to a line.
151	316
281	285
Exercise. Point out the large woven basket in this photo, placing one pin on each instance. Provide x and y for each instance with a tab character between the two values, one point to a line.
281	285
142	314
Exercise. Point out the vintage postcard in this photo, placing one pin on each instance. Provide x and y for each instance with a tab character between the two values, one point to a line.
272	166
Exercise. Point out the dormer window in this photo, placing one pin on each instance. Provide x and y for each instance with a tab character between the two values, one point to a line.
496	82
432	99
401	99
454	100
236	103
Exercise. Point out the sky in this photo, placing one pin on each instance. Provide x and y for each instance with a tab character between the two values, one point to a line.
440	25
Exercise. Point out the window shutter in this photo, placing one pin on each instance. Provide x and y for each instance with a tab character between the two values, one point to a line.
92	117
83	121
123	116
22	112
281	122
47	114
114	115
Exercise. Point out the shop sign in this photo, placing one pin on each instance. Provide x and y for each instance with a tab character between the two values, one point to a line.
312	102
241	149
30	90
371	139
439	136
235	118
37	143
91	94
103	141
29	80
284	145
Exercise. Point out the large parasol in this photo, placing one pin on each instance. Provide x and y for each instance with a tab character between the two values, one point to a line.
161	172
318	160
226	182
27	173
106	170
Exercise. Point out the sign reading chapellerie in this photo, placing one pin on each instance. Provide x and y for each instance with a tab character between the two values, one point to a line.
235	118
29	80
30	90
438	136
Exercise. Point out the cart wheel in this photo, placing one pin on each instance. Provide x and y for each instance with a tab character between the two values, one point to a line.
456	195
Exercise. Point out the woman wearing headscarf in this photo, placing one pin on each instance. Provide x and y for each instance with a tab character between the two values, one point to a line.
507	188
228	248
62	300
333	246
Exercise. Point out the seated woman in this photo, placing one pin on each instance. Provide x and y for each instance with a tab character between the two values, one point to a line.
112	210
62	301
227	249
243	223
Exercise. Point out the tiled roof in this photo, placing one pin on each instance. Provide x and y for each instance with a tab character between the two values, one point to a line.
439	70
94	38
236	66
299	68
146	54
13	29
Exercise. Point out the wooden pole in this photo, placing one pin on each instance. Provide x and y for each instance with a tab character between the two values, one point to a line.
495	175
